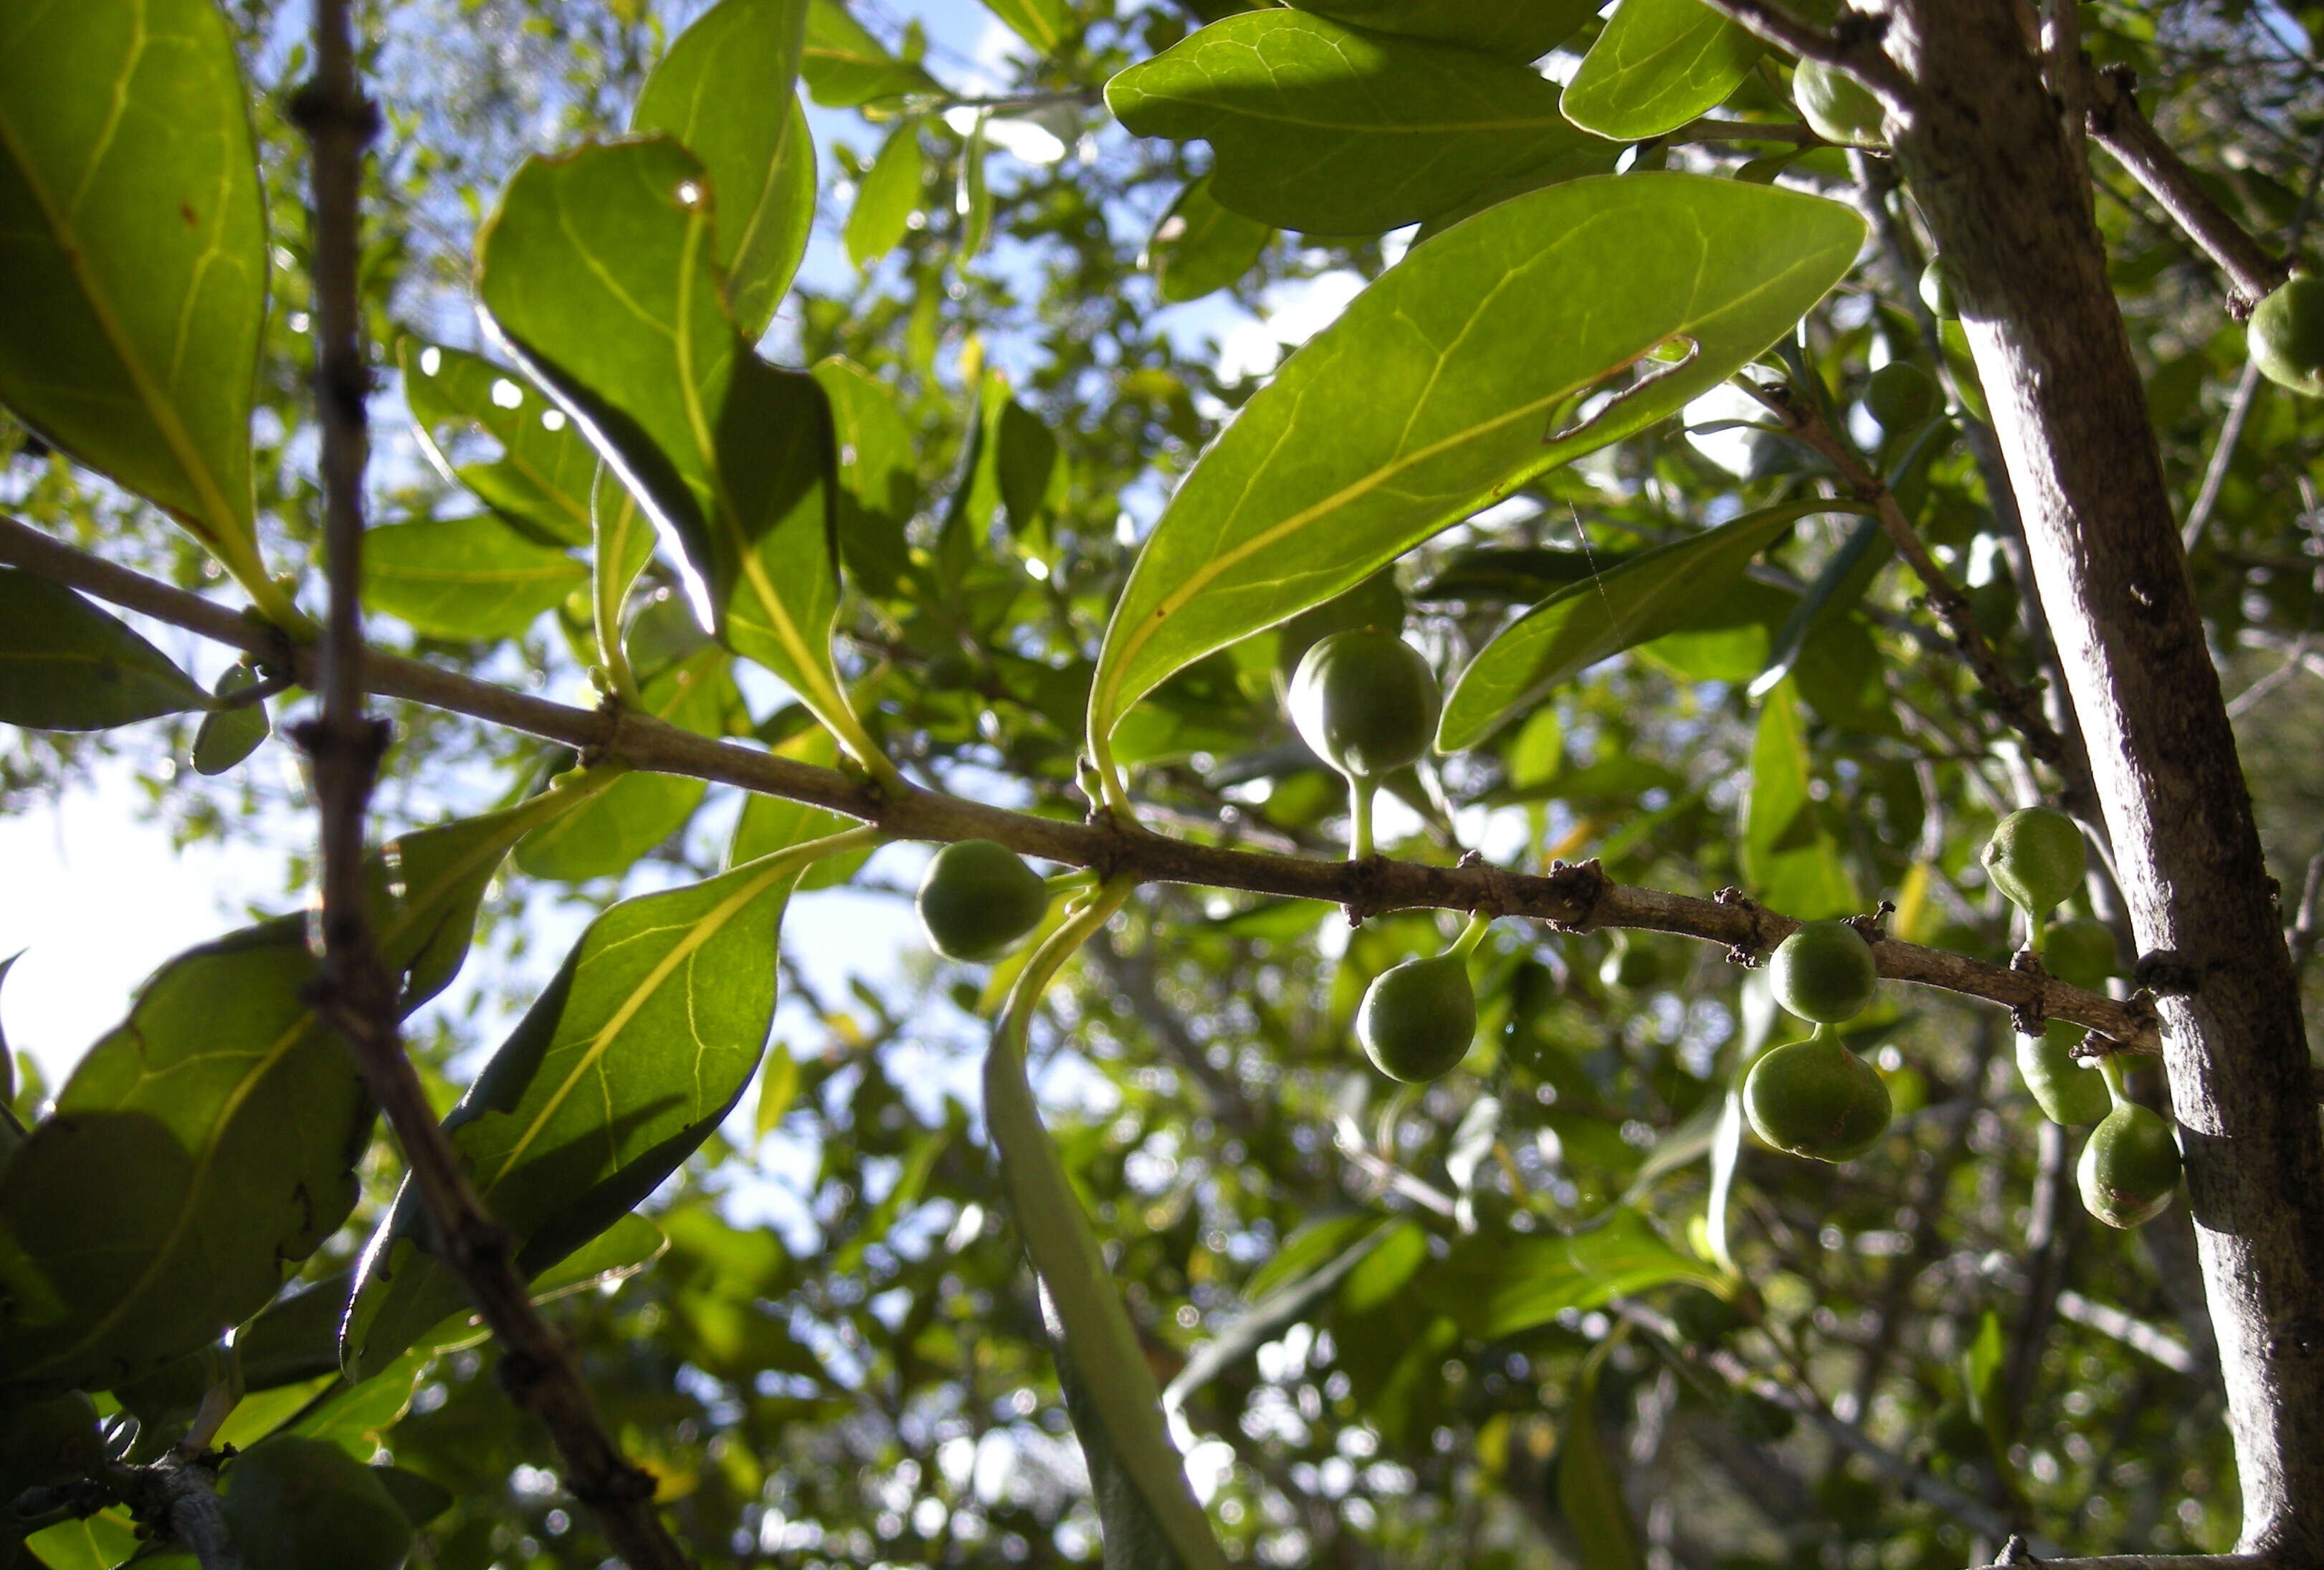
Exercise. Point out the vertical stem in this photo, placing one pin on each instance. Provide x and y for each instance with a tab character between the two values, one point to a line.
1359	817
355	993
1988	159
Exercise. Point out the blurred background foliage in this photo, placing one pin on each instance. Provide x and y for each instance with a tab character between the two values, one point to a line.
1449	1369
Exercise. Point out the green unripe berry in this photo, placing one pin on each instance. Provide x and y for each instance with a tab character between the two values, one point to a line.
1375	605
2067	1091
2130	1167
2080	953
1824	972
1419	1018
2286	336
1902	397
1939	293
1835	107
978	899
2035	858
295	1503
1816	1098
1366	702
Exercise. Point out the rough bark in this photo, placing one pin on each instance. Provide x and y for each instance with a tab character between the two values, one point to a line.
1988	161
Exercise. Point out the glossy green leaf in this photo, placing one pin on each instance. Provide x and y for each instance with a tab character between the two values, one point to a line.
213	1136
228	735
543	474
1658	64
1149	1516
844	66
1644	596
1790	855
65	665
778	1085
99	1542
465	577
1517	30
638	811
1496	1284
134	270
1043	24
628	1061
724	90
1469	367
1588	1489
621	541
879	476
887	197
1199	246
1319	126
596	271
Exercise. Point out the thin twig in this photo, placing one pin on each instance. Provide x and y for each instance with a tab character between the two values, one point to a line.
2018	703
2119	127
1802	1401
1852	46
1709	129
1570	897
2247	385
354	991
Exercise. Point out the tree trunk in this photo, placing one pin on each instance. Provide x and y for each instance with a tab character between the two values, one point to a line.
1988	159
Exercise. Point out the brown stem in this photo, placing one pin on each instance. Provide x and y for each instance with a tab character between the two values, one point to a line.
2019	704
2118	125
1990	166
1572	897
356	993
1853	46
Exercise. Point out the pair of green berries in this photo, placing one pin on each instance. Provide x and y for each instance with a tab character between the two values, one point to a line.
1366	702
2130	1165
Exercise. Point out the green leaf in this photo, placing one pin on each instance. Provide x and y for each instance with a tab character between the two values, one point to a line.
465	577
543	474
845	67
1644	596
887	197
621	541
213	1136
136	264
626	1063
725	91
1043	24
1495	1284
7	1057
1271	1315
1842	581
1588	1492
1658	64
1149	1516
1199	246
1318	126
971	196
639	810
99	1542
1431	397
228	735
596	271
1791	857
67	666
879	476
1517	30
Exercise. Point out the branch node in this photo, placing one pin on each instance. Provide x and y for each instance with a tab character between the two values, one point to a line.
2165	973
